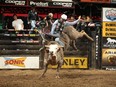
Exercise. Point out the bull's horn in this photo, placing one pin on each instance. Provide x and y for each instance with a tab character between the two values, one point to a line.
60	46
47	46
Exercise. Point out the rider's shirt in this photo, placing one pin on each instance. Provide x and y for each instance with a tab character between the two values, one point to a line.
61	25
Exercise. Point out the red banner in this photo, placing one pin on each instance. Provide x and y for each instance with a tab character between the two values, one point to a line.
97	1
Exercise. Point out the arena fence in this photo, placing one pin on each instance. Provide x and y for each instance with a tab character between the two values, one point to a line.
21	51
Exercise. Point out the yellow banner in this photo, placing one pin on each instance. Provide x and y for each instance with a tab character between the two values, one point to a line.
109	29
73	62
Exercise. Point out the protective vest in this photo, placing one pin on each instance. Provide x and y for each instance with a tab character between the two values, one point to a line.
60	26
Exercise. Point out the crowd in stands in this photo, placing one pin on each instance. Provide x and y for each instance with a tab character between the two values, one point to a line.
34	21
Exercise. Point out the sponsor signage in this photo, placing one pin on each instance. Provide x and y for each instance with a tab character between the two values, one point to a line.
113	1
37	3
109	29
16	2
63	0
74	62
19	62
109	14
109	42
109	37
47	4
97	1
109	57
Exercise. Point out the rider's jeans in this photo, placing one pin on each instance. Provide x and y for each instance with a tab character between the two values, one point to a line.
59	41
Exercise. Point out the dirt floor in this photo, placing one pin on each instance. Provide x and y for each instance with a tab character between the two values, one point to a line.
69	78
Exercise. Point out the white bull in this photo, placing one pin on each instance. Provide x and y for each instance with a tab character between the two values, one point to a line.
53	55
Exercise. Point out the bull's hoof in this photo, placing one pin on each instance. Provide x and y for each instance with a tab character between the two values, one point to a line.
57	77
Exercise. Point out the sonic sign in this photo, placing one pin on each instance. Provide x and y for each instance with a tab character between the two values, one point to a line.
19	62
109	37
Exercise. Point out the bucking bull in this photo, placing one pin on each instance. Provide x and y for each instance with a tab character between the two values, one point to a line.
70	35
53	52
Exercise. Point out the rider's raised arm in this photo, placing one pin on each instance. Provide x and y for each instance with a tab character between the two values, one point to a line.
74	22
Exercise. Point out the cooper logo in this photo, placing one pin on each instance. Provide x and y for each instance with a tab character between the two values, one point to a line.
15	62
63	4
112	59
16	2
111	14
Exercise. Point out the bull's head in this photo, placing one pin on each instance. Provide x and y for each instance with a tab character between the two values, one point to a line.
53	49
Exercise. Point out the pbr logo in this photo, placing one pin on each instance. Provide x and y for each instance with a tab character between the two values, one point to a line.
111	14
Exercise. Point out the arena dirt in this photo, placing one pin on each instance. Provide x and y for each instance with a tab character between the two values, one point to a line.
69	78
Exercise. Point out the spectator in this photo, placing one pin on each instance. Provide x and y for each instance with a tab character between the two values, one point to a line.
49	18
72	18
42	25
17	24
49	22
33	18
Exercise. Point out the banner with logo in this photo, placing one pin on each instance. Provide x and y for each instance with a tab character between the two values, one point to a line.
109	37
97	1
53	3
113	1
63	0
109	57
16	2
74	63
19	62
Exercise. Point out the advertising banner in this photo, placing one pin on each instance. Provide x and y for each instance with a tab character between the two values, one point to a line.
109	42
63	0
109	37
19	62
16	2
97	1
109	57
109	29
113	1
54	3
74	63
